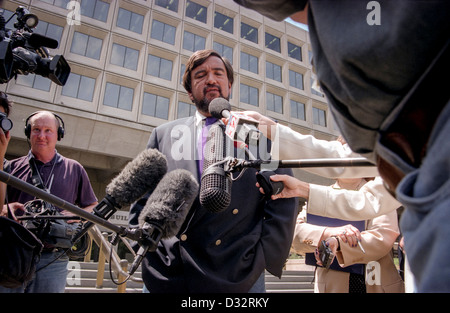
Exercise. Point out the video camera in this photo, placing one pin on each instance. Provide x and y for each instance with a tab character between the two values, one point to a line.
23	52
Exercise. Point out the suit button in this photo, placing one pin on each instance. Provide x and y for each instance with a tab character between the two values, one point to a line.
183	237
218	242
235	211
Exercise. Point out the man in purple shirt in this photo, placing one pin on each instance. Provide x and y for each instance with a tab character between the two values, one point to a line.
58	175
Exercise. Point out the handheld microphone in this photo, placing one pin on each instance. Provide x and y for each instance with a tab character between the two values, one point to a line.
240	127
139	176
215	188
165	210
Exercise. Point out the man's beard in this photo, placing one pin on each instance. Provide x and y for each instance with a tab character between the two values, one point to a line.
203	104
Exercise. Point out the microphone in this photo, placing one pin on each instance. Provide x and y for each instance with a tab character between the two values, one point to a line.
139	176
165	210
215	188
240	127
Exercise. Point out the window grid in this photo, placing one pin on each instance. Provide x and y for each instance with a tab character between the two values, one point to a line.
91	47
274	102
118	96
130	20
155	105
319	117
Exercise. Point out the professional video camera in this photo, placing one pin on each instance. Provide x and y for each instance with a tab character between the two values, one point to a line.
23	52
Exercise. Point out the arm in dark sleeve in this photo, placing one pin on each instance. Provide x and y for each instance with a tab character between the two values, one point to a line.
275	9
278	230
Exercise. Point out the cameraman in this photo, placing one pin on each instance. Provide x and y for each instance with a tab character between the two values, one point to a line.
58	175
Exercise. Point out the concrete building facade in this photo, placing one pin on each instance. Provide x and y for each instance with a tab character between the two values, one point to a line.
127	59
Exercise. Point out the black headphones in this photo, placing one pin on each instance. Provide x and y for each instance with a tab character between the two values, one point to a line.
57	117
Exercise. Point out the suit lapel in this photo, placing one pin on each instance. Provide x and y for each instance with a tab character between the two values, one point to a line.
183	143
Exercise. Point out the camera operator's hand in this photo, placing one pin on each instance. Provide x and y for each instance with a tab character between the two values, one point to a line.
16	209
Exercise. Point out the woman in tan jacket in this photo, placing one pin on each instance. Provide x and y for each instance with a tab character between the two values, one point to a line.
374	249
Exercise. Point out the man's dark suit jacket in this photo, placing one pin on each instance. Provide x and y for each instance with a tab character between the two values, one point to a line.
217	252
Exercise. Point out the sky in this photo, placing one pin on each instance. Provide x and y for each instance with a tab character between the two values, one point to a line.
303	26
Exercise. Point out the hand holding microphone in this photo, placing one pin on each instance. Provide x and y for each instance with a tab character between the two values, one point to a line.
240	127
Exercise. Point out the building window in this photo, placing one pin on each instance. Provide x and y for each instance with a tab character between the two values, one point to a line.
34	81
86	45
159	67
182	70
249	94
319	117
249	32
193	42
274	102
49	30
118	96
80	87
196	11
224	51
124	56
273	42
298	110
130	20
273	71
249	62
295	79
58	3
163	32
185	109
223	22
171	5
154	105
95	9
294	51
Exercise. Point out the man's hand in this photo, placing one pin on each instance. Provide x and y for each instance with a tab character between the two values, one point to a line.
292	187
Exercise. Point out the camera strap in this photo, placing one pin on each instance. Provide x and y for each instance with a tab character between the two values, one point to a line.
36	178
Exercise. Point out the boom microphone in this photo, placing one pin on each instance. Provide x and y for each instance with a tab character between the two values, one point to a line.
215	188
139	176
240	127
165	210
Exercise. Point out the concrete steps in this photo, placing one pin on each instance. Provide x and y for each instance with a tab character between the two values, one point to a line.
82	279
292	281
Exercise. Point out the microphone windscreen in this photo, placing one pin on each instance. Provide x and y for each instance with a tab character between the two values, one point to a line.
170	202
139	176
217	106
215	188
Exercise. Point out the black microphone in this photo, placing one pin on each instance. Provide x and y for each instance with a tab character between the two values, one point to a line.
215	188
139	176
165	210
240	127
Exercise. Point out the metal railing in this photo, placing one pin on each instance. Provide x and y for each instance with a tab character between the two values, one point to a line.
107	254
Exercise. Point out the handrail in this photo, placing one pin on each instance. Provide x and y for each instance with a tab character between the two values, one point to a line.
110	254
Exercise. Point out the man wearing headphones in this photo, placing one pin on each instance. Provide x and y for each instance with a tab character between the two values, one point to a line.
65	178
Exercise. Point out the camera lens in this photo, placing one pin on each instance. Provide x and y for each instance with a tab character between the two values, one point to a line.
5	123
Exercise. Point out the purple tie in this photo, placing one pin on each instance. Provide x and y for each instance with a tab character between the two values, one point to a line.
201	144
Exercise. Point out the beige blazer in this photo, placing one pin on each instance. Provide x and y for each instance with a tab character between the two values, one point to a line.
377	240
288	144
